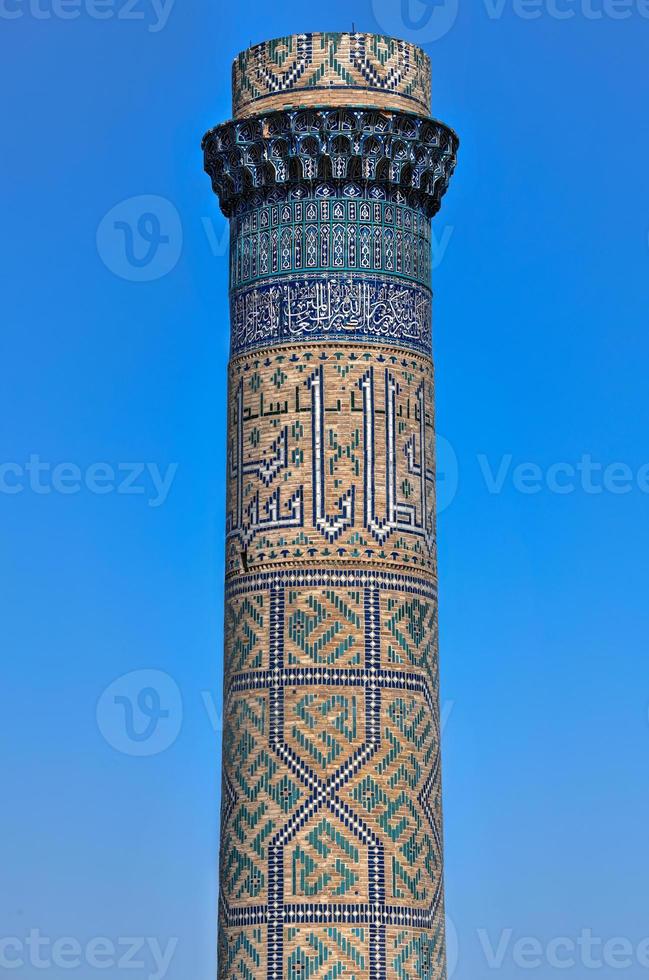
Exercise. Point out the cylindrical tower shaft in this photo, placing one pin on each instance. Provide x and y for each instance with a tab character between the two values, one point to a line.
331	837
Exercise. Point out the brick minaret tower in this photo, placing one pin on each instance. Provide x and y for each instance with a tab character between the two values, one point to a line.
331	838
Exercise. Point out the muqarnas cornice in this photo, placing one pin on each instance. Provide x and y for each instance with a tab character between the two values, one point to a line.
409	152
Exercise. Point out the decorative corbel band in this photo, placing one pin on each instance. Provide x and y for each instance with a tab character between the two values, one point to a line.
409	152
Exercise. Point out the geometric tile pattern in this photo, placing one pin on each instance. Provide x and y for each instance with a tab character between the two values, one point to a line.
416	955
331	832
242	953
325	952
246	633
324	627
331	859
380	70
330	235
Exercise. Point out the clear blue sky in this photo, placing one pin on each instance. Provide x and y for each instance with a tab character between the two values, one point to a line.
541	348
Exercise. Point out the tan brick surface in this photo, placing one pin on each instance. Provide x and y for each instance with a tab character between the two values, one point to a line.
331	69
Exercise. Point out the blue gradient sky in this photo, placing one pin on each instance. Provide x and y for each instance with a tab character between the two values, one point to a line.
541	349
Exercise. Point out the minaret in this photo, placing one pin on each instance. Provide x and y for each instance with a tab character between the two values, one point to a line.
331	833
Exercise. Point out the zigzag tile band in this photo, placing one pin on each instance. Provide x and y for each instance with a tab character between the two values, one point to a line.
327	67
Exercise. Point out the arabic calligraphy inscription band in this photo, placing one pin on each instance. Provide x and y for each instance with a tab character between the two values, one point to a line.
331	829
